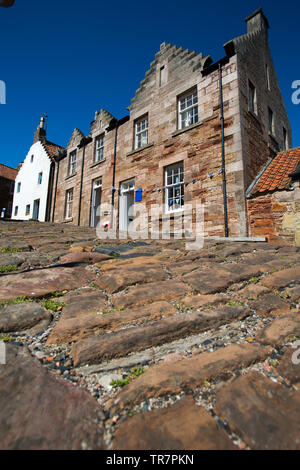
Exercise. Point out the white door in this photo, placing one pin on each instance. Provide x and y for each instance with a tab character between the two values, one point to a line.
96	202
126	210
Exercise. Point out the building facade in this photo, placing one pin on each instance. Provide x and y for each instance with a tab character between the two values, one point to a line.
7	184
34	182
197	132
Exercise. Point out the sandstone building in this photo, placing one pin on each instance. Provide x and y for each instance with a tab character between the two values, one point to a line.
197	131
7	183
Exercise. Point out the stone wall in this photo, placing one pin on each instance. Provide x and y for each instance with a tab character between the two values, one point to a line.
277	216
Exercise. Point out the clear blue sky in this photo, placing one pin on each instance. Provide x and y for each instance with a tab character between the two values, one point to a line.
70	58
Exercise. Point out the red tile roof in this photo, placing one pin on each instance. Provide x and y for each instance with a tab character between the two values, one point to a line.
8	172
52	149
276	175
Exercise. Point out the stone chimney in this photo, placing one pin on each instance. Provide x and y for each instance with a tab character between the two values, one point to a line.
40	133
257	22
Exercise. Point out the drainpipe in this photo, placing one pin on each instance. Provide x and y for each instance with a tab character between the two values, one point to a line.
50	191
83	143
114	175
223	154
56	183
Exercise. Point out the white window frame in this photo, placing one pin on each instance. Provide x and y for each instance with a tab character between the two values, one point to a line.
40	178
72	162
69	203
99	148
174	183
141	132
188	109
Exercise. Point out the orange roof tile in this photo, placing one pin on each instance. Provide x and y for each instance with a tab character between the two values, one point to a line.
52	149
8	172
276	175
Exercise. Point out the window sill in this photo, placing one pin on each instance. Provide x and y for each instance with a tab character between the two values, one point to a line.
71	176
140	149
97	163
181	131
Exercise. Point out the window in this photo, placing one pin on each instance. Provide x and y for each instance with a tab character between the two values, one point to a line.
285	139
72	163
271	121
99	150
141	132
69	203
268	77
187	109
31	158
162	75
27	210
19	187
174	187
252	98
40	177
16	210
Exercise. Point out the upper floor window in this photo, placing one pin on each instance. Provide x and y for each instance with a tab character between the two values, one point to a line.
40	178
18	187
72	162
99	150
174	187
69	203
252	98
31	158
271	120
141	132
188	109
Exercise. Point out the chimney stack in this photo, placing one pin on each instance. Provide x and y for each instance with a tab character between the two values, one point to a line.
257	22
40	133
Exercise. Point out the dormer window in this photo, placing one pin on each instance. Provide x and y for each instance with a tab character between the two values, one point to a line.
188	109
141	132
72	162
99	148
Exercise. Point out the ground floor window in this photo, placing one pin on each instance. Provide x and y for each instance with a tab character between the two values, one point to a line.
27	210
16	210
174	187
69	203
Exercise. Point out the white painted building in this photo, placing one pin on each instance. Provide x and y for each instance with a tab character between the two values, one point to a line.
34	182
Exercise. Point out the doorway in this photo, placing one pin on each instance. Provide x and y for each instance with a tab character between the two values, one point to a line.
96	202
126	211
36	209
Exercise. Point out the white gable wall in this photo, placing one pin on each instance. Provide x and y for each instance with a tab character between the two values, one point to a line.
30	189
